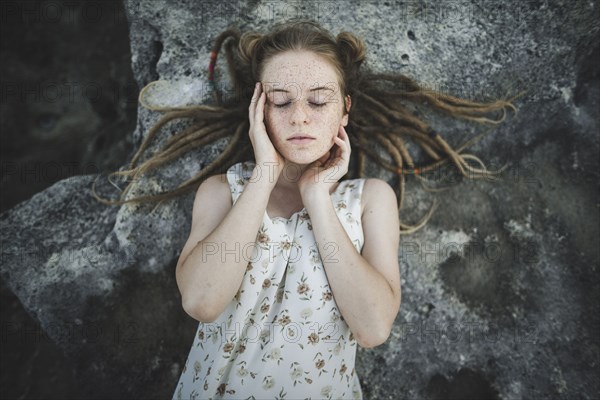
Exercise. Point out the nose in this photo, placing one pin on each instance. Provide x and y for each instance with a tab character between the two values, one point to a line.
299	114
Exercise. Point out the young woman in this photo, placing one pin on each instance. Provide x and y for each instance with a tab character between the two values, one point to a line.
290	263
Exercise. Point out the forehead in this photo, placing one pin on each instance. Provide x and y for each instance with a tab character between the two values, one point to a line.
303	68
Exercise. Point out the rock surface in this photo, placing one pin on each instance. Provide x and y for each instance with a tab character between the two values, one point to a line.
499	289
68	95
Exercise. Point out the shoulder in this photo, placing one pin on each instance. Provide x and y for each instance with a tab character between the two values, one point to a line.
376	192
229	185
214	186
213	199
380	218
216	181
377	185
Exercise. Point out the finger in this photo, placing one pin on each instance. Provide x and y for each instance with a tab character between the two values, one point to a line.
342	158
316	164
323	159
346	138
342	145
260	109
344	134
256	92
333	155
252	107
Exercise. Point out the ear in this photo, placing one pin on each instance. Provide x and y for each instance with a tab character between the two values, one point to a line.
348	104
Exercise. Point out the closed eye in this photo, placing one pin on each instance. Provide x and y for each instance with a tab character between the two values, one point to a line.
288	103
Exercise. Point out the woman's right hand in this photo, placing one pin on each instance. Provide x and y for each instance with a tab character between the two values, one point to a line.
268	159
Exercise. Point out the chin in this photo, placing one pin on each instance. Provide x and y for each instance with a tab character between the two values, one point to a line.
304	156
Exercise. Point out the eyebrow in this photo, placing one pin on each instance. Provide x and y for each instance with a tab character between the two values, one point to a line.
311	90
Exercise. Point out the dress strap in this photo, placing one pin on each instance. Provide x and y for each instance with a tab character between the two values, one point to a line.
347	201
238	176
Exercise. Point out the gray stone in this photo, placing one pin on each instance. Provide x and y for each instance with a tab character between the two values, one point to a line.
499	290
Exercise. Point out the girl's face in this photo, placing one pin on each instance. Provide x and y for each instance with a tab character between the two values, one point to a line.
303	99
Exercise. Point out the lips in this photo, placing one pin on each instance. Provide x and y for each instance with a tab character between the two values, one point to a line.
301	139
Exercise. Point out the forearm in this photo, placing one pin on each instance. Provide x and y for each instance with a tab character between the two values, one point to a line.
364	297
215	267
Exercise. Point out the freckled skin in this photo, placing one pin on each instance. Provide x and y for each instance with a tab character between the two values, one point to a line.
298	72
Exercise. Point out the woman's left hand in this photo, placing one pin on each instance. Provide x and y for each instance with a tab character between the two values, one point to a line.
322	174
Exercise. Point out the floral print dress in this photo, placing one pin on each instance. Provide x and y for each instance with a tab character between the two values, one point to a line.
282	336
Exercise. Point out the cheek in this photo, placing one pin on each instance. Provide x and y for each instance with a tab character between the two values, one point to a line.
332	123
274	126
270	124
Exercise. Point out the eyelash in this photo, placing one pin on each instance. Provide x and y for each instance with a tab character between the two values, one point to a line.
312	104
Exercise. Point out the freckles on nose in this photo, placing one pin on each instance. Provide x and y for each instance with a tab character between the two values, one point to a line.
297	112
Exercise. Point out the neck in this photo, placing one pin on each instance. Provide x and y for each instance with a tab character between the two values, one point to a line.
289	177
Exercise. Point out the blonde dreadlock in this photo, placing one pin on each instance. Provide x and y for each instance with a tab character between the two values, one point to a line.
377	113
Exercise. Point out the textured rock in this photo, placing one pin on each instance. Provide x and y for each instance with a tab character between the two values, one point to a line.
499	294
68	95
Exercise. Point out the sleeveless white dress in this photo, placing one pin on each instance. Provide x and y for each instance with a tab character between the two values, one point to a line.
282	336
